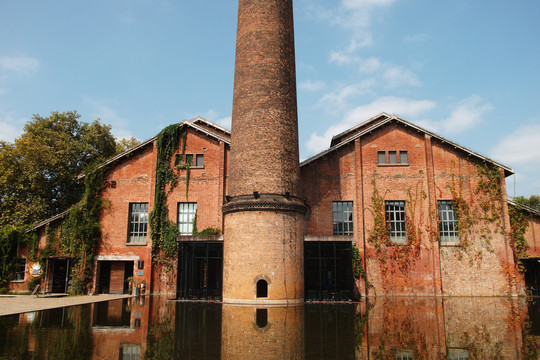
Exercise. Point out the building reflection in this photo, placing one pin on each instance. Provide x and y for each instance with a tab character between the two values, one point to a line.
381	328
262	332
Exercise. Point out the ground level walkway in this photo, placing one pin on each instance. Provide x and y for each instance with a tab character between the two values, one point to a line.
16	304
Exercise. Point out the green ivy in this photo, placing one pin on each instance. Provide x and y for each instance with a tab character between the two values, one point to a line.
519	221
77	236
12	238
162	230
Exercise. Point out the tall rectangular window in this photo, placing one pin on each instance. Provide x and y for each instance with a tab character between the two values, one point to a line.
392	157
342	215
186	216
395	220
381	157
403	158
199	160
138	223
448	229
20	269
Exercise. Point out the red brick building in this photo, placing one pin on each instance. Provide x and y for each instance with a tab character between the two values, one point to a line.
393	210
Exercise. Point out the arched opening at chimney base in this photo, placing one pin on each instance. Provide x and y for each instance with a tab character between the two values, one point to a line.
262	289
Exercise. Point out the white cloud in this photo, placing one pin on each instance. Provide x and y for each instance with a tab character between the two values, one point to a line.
466	114
338	100
397	76
21	64
213	116
389	104
107	115
11	125
310	85
519	147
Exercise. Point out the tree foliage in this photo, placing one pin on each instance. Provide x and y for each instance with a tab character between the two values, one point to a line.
532	202
38	176
126	144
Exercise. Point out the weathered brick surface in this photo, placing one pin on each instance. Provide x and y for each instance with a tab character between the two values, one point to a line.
352	172
264	243
281	338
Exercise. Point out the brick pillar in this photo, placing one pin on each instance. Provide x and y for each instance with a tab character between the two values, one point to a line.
263	214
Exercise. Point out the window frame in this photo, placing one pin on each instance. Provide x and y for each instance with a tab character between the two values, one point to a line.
393	158
191	158
139	235
17	270
342	213
396	221
188	218
451	231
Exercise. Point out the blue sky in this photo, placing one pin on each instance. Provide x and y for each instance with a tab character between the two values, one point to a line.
465	69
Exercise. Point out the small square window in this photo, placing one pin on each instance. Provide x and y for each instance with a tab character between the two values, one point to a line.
189	159
403	158
381	157
199	160
392	157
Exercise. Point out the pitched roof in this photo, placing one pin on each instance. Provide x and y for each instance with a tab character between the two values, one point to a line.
383	119
525	207
199	124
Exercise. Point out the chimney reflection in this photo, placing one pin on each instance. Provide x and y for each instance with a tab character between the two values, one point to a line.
256	332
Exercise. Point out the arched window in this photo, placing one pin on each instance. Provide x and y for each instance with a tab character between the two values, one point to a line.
262	289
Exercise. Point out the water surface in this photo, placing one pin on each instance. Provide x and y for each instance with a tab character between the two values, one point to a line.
382	328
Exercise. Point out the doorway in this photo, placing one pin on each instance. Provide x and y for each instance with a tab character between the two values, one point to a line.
58	281
532	276
200	271
328	271
113	276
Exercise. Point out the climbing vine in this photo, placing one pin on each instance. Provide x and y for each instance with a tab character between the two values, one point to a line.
403	255
518	226
78	235
481	215
162	230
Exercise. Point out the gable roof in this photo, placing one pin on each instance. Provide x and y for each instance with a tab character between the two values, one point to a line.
383	119
199	124
525	207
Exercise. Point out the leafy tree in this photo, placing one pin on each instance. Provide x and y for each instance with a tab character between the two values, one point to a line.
532	202
38	173
126	144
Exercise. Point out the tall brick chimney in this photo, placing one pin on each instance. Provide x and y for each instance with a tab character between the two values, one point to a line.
263	215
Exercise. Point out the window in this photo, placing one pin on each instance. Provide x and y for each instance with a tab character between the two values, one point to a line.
394	157
186	216
193	160
381	157
342	215
395	220
448	229
403	158
457	354
20	269
129	352
199	160
404	355
262	289
138	223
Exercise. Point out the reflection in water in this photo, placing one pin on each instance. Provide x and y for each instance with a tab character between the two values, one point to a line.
385	328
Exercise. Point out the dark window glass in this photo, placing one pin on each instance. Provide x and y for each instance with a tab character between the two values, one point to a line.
392	157
403	158
381	157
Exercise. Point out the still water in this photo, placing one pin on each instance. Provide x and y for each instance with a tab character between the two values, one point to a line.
382	328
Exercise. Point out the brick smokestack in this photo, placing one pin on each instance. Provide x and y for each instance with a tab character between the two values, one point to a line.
264	217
